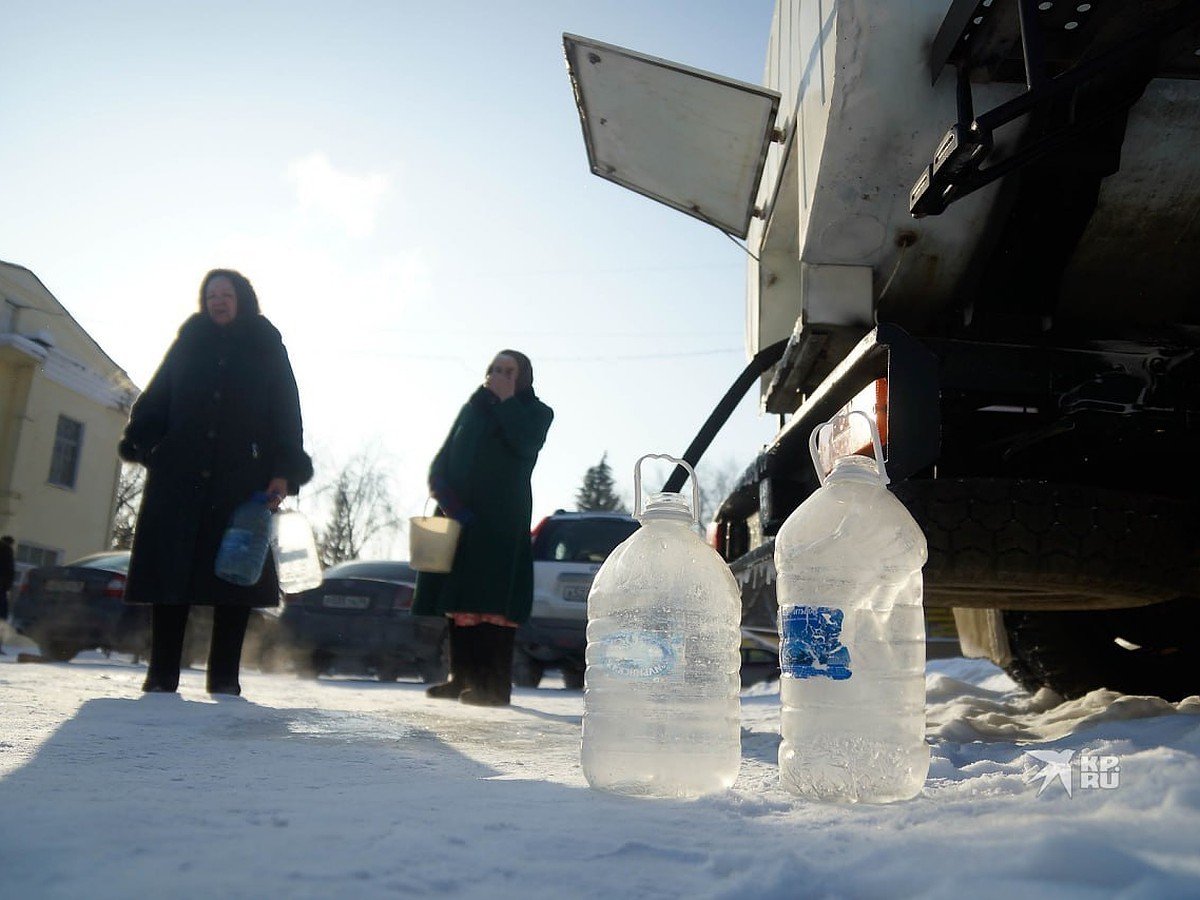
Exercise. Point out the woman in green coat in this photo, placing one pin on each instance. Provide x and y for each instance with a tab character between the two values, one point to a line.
480	477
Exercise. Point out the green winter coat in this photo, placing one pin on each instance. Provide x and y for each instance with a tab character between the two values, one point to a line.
481	477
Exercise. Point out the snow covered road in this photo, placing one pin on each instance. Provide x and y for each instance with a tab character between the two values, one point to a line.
345	788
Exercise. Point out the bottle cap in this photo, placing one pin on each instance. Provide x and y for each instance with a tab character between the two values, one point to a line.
840	425
855	468
666	505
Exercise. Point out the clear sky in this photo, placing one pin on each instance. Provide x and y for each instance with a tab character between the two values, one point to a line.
406	184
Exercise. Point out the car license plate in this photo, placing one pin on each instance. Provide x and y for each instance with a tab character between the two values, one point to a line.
63	586
344	601
576	592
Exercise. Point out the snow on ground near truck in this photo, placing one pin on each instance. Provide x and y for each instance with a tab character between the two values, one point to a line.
342	788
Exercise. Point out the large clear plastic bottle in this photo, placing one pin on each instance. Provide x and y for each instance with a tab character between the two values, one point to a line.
661	696
294	549
245	543
852	637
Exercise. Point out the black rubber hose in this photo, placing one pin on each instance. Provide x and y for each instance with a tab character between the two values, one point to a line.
762	361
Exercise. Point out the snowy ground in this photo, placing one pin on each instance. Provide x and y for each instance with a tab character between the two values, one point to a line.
355	789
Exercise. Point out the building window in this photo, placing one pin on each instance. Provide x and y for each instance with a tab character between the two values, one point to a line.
68	444
32	556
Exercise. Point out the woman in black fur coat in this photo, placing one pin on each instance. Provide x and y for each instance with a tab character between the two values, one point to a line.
219	421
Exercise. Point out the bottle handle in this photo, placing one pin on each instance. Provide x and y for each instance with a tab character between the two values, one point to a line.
637	484
812	444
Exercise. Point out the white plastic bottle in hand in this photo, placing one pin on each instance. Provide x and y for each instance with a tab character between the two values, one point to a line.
852	637
294	549
661	697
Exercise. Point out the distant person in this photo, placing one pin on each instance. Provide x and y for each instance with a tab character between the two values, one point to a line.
219	421
481	477
8	574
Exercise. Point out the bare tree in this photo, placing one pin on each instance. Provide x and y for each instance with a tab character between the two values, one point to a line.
360	496
130	485
716	481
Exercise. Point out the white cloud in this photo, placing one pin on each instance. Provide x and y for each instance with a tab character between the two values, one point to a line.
351	201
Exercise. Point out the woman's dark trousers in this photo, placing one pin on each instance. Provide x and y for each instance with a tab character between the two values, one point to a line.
168	624
225	651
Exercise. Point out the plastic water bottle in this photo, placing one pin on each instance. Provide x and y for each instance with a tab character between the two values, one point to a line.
661	692
245	543
851	636
294	550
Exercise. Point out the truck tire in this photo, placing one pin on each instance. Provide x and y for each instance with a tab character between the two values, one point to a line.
1151	650
527	672
58	650
1074	569
1038	546
436	669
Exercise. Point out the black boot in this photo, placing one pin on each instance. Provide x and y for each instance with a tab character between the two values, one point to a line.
225	649
167	625
461	640
494	685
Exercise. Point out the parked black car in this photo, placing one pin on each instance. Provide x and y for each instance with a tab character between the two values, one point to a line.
81	606
359	622
568	548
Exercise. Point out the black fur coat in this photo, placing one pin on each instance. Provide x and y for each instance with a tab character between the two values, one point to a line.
219	419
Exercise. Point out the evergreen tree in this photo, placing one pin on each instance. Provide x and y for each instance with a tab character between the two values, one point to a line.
337	543
598	493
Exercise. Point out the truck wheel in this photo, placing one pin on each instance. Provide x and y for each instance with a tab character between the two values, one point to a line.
573	676
1037	546
526	671
1150	650
58	650
436	669
1074	569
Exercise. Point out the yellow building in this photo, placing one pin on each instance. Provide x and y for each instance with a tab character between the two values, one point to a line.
63	406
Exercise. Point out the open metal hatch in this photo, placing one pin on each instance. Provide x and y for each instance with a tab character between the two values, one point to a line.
687	138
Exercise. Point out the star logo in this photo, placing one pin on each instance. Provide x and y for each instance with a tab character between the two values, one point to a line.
1056	766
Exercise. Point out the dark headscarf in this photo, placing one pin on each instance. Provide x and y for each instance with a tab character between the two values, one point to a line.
247	300
524	368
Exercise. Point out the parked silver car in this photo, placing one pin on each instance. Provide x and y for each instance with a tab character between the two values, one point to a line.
568	548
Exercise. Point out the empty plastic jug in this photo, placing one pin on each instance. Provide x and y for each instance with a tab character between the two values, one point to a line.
661	691
294	549
851	636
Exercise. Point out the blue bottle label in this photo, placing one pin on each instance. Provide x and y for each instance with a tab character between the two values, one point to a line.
811	645
643	654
